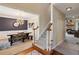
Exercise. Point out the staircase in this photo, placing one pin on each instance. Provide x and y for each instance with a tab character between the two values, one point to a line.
44	41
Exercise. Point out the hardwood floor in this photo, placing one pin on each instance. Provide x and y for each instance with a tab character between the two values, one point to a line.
26	51
43	52
54	52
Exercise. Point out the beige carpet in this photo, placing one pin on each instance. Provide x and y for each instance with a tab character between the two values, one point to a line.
15	49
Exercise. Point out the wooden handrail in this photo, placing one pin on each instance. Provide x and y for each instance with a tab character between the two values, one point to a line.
49	26
36	28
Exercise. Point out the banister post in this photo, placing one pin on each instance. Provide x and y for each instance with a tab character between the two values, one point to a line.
49	36
34	33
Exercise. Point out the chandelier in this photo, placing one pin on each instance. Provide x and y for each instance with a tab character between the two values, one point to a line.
19	21
68	14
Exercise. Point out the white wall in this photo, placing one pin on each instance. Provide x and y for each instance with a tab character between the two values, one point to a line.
58	29
12	32
34	20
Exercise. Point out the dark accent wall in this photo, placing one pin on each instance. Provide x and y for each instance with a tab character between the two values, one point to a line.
6	24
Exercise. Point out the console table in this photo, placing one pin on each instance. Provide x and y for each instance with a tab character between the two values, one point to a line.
16	37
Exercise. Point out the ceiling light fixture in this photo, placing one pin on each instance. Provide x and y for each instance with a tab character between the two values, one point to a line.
69	8
20	21
68	14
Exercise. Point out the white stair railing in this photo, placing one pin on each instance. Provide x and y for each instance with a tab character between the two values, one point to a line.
44	38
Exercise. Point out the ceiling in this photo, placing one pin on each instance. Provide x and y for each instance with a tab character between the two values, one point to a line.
62	7
32	8
8	10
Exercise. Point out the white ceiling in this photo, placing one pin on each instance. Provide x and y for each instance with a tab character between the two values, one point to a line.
15	13
62	7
